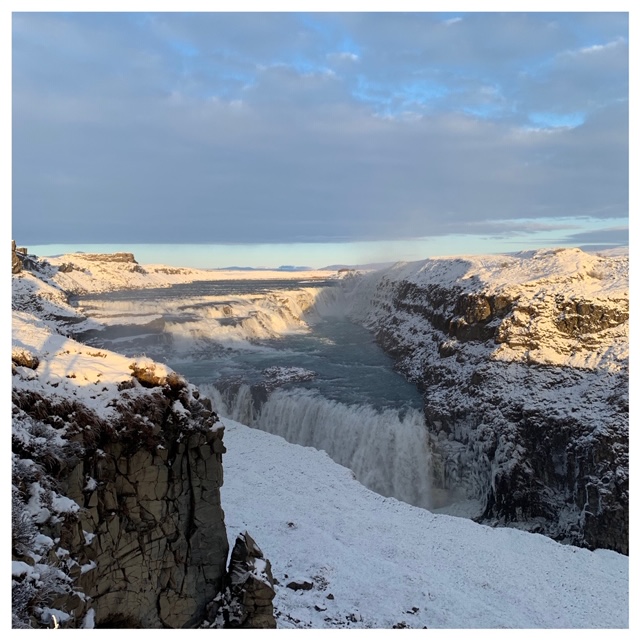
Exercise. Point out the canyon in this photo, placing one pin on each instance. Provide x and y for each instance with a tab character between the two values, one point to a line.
522	362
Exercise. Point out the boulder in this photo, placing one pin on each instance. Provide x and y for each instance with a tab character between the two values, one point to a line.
247	602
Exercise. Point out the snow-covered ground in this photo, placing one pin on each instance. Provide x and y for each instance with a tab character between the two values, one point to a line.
70	369
89	275
376	562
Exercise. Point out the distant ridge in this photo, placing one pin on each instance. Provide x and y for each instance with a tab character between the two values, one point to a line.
284	267
374	266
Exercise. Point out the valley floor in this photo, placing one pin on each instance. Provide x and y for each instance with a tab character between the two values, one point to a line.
376	562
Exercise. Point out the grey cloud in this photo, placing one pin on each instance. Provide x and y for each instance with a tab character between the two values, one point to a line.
487	41
293	172
148	145
601	237
579	80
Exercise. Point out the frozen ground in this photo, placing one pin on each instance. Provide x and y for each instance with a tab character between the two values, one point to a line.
384	563
387	564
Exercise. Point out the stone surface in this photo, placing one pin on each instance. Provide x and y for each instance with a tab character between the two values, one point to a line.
16	260
519	421
148	546
300	585
247	602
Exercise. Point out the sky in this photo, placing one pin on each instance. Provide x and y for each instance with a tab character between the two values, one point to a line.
298	137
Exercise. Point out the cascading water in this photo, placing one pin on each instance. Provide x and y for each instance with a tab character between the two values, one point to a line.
348	402
386	450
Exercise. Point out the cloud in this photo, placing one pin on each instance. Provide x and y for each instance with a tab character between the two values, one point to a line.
617	236
341	56
281	127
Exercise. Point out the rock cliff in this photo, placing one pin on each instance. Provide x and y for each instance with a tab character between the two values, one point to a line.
127	504
117	469
523	362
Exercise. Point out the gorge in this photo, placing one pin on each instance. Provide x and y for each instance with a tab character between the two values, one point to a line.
522	420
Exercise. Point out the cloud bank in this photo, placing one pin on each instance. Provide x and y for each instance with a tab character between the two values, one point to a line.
287	127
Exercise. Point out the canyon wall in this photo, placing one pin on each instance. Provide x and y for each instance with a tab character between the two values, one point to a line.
126	506
523	362
116	473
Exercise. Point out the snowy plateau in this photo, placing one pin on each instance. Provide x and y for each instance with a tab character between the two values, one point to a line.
123	516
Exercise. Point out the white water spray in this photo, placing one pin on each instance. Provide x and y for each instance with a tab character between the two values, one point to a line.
386	451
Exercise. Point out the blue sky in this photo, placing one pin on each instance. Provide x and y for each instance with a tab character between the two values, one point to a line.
315	138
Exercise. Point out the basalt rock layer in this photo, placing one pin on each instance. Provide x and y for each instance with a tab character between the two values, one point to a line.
523	361
116	470
127	504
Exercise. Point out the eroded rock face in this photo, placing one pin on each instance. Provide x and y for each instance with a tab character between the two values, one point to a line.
525	388
247	601
16	262
141	534
19	258
156	532
110	257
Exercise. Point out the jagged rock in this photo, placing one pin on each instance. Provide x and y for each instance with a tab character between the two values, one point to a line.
68	267
110	257
247	602
24	358
524	366
152	376
16	260
20	260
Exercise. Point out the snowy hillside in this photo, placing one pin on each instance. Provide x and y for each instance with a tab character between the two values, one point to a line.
92	273
524	364
375	562
547	288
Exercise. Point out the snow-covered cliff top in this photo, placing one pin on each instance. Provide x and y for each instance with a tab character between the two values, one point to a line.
48	362
561	307
569	272
88	273
69	369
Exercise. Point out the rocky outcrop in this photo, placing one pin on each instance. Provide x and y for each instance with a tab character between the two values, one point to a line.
19	258
110	257
142	535
127	260
524	366
247	601
16	262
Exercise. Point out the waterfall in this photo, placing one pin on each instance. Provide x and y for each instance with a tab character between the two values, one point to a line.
232	338
386	450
